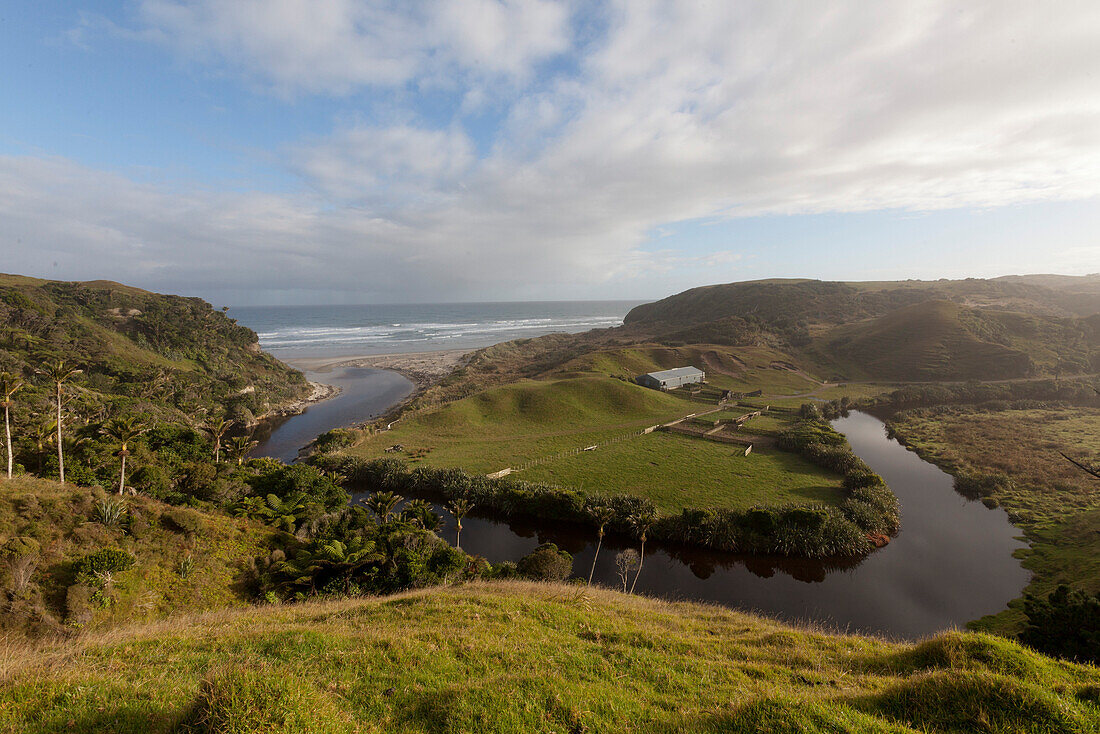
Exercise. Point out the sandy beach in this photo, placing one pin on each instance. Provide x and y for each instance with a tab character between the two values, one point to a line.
423	368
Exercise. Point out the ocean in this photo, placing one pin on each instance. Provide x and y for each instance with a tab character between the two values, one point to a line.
335	331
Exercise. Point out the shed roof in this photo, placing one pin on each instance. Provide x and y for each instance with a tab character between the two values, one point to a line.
675	372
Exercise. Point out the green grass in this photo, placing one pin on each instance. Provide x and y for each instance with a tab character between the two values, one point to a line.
677	471
509	425
743	368
1056	505
522	657
763	425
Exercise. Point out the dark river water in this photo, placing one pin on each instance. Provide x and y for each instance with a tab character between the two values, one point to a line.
365	393
951	563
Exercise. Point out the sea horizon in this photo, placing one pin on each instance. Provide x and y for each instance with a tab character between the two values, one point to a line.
299	332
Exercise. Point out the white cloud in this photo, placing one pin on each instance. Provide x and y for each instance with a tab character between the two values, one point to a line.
681	111
388	166
338	45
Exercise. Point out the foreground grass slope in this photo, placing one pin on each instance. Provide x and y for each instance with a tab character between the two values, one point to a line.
523	657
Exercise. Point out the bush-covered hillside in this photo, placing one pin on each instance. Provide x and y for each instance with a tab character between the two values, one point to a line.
174	351
166	359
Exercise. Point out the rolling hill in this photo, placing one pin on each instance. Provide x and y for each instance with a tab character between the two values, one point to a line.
950	330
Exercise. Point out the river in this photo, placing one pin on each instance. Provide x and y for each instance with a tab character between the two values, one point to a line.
365	393
952	562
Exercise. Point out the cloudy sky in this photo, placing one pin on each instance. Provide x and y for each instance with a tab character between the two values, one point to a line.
315	151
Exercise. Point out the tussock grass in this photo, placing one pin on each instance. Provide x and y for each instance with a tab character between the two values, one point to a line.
526	657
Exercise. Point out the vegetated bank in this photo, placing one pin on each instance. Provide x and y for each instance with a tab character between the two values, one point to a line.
524	657
1009	453
868	515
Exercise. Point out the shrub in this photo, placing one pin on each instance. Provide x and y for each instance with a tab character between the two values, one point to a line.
284	481
182	520
334	440
153	480
103	561
78	603
546	563
198	479
503	570
19	547
109	511
19	556
1066	624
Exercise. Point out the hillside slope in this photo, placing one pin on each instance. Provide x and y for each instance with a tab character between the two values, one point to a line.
185	559
524	657
177	354
934	340
170	363
913	330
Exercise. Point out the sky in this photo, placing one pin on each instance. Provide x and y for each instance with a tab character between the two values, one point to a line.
334	151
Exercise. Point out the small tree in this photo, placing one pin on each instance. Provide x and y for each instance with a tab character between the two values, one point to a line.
42	434
9	385
59	373
625	563
546	563
217	429
239	446
602	514
421	513
123	430
459	507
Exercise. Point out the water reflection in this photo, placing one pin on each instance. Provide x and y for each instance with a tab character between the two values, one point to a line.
951	563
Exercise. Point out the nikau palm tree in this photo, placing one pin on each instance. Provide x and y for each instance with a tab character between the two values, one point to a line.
123	430
602	515
59	373
217	429
239	446
9	385
382	504
420	512
458	507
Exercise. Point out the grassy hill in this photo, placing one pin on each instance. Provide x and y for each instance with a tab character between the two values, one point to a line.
524	657
912	330
512	424
170	363
933	340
